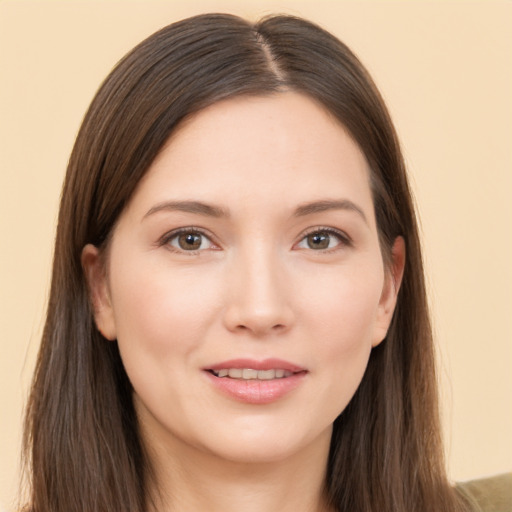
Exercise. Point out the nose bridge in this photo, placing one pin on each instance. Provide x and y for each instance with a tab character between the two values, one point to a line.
260	300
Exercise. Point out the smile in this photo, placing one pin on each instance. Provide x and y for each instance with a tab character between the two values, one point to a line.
251	374
254	381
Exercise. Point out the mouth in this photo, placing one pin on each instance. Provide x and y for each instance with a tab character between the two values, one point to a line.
256	382
251	374
252	369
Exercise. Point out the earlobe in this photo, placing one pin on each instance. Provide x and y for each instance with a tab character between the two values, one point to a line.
99	295
390	290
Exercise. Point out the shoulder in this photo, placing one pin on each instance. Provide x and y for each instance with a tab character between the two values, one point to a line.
492	494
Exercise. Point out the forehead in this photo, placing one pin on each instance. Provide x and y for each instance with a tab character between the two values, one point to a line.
278	149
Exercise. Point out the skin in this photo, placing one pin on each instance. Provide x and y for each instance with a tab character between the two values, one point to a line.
257	287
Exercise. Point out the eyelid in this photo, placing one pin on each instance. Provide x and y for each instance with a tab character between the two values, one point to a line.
167	237
344	239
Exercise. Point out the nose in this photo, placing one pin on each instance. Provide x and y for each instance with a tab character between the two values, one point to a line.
260	296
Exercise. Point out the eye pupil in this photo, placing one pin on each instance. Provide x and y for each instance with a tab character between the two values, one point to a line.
318	240
189	241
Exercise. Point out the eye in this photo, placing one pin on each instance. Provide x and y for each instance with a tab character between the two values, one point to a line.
188	240
323	239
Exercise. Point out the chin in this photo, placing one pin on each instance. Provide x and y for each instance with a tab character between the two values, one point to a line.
262	453
265	446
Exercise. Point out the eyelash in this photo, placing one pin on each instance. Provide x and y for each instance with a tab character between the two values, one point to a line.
168	237
343	239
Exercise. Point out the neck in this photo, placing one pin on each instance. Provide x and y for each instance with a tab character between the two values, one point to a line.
190	480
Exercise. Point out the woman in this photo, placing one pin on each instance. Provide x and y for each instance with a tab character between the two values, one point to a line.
237	316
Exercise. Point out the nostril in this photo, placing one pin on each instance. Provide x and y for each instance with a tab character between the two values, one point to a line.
257	329
257	317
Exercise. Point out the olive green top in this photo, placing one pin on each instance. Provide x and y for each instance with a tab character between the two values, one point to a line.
489	494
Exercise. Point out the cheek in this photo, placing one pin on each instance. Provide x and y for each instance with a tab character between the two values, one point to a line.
344	305
342	318
161	320
159	311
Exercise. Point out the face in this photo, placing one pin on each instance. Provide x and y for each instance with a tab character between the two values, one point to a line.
245	283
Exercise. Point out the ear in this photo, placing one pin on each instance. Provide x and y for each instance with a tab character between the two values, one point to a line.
392	282
99	294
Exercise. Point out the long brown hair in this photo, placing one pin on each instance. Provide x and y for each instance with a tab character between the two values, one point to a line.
81	436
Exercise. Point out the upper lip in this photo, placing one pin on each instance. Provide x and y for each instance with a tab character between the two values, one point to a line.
265	364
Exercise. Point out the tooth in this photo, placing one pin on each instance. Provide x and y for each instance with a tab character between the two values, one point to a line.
249	374
266	374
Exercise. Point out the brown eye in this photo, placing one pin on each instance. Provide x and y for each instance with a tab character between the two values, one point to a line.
324	240
190	241
318	240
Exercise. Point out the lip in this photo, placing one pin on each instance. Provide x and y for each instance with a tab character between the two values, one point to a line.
266	364
256	392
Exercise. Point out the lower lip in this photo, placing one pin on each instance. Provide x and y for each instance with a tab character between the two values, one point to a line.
257	391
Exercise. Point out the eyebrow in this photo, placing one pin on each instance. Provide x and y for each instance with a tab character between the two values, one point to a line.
329	204
195	207
209	210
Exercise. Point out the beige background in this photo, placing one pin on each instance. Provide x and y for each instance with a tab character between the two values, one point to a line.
445	71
